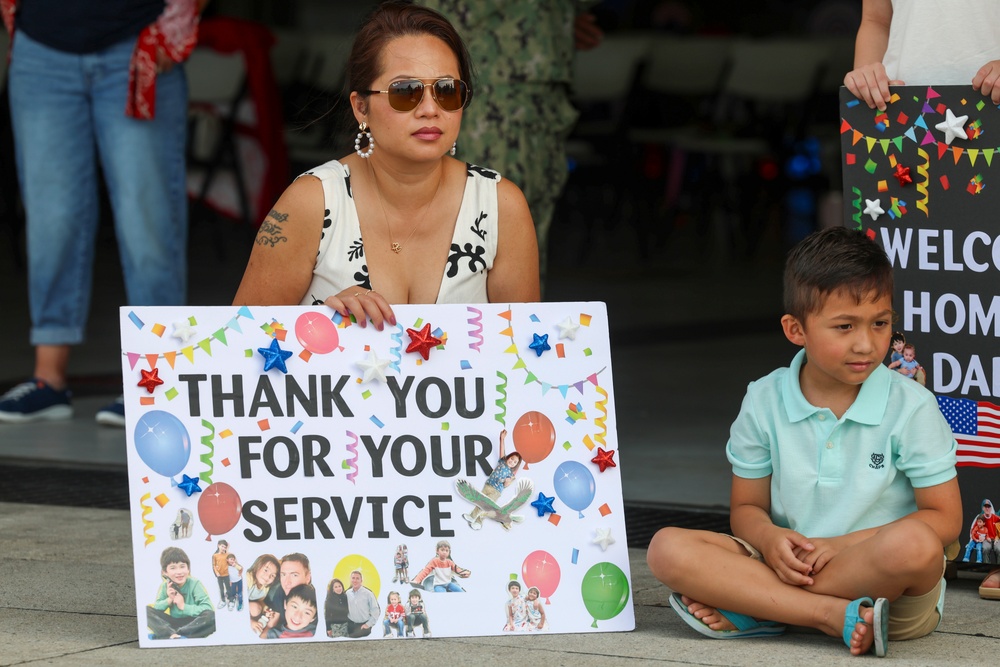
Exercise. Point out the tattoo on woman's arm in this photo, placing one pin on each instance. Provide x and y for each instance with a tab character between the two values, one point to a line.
270	232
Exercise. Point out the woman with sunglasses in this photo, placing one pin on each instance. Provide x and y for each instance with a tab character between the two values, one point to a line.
399	220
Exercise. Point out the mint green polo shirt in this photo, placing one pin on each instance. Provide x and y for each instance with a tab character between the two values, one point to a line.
834	476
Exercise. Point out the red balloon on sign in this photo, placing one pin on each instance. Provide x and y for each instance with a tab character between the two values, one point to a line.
219	509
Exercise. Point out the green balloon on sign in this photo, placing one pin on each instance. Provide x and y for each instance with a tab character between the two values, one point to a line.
605	591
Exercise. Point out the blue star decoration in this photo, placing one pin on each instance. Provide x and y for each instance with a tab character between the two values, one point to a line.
543	504
190	485
274	357
540	343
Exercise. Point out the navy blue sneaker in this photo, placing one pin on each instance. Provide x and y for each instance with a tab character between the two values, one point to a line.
34	400
112	414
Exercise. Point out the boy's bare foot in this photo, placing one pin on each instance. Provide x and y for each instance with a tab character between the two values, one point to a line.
710	616
863	635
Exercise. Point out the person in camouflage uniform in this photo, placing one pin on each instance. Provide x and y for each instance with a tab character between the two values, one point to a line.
521	115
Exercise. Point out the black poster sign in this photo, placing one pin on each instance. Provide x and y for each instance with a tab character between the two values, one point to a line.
922	178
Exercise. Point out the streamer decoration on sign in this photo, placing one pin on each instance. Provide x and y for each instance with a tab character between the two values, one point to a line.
530	376
352	462
501	402
147	524
477	332
922	172
601	422
188	351
909	129
857	207
396	350
206	475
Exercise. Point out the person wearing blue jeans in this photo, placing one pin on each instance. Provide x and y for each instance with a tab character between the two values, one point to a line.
69	89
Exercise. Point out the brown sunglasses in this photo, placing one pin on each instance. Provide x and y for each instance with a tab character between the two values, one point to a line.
450	94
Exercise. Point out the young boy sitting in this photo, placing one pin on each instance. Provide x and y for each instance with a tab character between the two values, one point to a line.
837	461
182	607
299	617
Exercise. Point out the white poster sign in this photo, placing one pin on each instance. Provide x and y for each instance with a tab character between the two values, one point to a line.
295	476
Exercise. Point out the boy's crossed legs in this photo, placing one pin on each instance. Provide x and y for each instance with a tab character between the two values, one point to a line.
713	571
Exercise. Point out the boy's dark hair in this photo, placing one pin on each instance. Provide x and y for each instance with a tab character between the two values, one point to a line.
514	583
173	555
834	260
897	337
304	592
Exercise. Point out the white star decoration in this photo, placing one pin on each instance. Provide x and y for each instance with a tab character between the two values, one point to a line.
873	208
184	331
604	538
567	329
952	126
373	367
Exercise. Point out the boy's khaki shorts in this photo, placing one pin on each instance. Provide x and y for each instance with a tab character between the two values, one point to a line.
910	616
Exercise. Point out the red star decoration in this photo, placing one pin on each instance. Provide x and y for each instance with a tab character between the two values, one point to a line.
422	341
902	174
150	380
604	458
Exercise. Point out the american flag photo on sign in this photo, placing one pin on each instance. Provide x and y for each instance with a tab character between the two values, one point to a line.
976	425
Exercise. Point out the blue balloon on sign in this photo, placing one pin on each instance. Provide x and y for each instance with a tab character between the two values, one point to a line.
162	442
575	485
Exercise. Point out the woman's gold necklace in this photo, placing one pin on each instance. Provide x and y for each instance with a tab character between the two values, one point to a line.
394	246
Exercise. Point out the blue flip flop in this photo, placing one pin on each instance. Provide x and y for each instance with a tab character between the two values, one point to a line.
745	625
880	623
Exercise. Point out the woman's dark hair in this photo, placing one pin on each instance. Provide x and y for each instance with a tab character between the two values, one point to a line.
391	20
329	588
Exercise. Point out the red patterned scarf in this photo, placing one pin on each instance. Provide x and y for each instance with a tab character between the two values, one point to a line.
175	34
